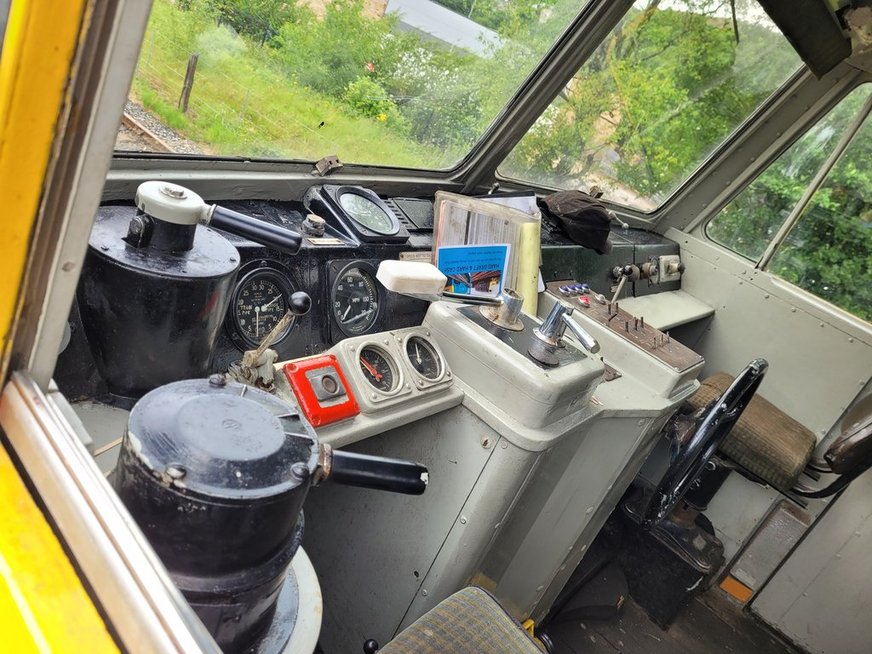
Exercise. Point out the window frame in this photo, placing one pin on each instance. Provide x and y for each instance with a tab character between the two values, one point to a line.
818	179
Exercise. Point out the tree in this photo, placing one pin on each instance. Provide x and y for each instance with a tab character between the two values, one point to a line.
259	19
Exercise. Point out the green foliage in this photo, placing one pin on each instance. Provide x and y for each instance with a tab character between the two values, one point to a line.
507	18
243	103
829	252
441	105
365	97
330	53
259	19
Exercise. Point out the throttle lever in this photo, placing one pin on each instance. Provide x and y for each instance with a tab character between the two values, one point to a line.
367	471
279	238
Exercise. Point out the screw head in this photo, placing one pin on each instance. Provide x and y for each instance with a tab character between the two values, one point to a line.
173	191
300	471
176	471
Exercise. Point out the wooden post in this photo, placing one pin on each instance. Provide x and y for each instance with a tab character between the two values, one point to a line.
189	83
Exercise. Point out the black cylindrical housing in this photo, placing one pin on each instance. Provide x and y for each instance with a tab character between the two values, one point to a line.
215	474
380	473
152	317
278	238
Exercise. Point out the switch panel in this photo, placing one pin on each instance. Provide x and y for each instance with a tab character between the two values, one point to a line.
670	268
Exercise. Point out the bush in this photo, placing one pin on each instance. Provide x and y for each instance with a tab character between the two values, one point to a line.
365	97
329	54
441	105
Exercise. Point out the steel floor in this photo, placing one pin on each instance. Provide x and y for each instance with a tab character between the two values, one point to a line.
710	624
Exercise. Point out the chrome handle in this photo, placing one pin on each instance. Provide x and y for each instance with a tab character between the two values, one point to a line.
587	341
552	327
555	323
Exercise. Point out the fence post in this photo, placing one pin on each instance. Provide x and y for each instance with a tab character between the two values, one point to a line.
189	83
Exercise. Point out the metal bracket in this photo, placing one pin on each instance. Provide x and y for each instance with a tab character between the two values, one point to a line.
327	165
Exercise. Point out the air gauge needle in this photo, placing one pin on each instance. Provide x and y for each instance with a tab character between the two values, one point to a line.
345	315
417	354
270	303
257	321
371	369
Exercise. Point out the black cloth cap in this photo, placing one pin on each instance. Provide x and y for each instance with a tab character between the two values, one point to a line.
584	218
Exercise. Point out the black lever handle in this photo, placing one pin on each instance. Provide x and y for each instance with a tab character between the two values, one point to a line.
380	473
279	238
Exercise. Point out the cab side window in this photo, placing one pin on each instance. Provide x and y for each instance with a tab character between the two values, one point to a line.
828	248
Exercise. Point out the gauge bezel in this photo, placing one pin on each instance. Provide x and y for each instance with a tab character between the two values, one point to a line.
367	269
396	368
271	272
373	199
443	367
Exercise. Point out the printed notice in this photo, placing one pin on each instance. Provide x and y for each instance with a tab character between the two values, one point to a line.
477	270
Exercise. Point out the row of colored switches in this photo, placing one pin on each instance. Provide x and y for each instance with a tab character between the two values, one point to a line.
574	289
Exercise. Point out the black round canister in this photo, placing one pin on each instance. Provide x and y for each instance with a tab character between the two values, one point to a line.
215	473
152	316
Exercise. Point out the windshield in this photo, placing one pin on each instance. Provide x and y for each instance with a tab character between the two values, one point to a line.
661	92
415	84
408	83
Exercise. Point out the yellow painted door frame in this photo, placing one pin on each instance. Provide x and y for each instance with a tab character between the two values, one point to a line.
36	66
44	606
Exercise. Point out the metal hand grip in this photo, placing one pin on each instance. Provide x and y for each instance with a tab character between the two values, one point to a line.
380	473
587	341
555	323
279	238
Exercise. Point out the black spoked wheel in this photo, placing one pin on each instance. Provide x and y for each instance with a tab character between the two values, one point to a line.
690	455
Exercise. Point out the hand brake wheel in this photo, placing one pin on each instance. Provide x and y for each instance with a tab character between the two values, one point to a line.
690	455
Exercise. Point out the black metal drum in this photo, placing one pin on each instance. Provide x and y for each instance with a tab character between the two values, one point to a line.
215	473
152	316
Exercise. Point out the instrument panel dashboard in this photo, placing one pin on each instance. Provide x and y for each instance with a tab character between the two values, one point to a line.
337	269
390	368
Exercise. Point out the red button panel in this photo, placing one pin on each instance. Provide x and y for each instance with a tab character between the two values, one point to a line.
324	394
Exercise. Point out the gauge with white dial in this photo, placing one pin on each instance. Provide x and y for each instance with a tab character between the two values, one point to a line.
354	300
424	358
366	212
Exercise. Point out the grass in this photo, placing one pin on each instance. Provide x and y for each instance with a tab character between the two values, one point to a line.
242	104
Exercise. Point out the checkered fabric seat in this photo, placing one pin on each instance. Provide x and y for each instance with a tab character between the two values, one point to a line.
765	441
469	622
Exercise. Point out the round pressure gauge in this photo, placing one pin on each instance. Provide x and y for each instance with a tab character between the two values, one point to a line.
424	358
260	300
379	369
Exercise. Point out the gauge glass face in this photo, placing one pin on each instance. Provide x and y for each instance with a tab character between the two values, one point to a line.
367	213
354	301
424	358
377	369
259	303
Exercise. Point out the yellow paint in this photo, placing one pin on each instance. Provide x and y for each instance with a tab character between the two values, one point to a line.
43	605
35	68
736	588
529	626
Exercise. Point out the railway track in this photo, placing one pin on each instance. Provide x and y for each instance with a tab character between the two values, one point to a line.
133	136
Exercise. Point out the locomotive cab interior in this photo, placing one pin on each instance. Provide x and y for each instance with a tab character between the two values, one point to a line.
262	412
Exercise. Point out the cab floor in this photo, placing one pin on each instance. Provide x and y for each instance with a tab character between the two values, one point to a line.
710	624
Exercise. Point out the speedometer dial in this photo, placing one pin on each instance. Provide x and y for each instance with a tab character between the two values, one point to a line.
259	302
354	301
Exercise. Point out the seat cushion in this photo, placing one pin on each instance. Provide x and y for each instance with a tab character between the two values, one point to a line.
765	441
468	622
